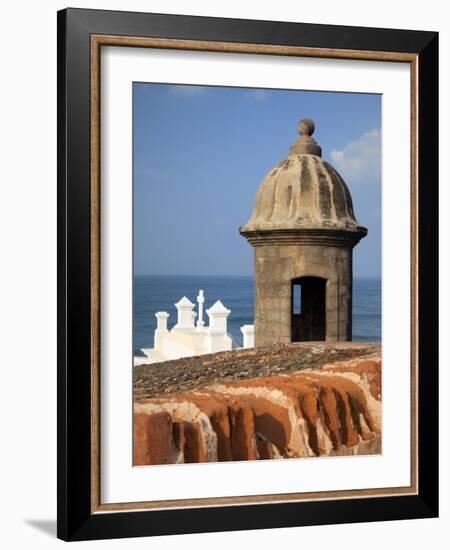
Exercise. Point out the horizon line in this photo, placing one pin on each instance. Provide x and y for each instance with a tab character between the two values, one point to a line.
224	275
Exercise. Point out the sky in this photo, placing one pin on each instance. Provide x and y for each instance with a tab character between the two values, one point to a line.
201	152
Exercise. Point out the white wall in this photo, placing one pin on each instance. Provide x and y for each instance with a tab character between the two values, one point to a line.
28	270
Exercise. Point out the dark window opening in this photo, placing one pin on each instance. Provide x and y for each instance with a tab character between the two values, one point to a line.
308	309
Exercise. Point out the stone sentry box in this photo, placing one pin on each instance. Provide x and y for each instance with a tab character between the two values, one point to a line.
303	231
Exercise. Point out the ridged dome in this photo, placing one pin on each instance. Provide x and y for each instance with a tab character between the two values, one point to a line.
303	192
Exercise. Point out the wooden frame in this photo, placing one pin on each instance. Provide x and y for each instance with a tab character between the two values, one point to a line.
81	34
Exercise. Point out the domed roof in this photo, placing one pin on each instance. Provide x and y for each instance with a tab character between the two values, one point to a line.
303	192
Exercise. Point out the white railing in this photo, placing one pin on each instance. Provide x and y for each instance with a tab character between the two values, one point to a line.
187	338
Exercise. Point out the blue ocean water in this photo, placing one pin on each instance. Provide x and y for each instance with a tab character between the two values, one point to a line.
159	293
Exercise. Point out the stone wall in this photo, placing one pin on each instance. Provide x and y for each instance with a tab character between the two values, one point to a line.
275	266
334	409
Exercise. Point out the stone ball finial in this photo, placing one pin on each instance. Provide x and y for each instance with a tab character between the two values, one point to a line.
306	127
305	144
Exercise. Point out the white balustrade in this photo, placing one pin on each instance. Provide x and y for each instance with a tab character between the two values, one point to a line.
188	337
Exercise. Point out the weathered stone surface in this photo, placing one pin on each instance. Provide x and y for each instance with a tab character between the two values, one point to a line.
333	408
188	373
307	193
273	309
153	439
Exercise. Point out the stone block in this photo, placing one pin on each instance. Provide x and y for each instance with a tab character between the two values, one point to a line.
268	251
153	443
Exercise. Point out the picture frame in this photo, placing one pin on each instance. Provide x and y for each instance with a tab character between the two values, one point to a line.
81	36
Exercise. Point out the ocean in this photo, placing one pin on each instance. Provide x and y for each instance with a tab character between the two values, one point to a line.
153	293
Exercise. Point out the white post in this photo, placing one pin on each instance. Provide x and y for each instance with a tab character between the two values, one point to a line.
216	338
248	333
161	329
201	301
185	314
218	314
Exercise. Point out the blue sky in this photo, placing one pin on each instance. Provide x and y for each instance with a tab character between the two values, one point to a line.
200	154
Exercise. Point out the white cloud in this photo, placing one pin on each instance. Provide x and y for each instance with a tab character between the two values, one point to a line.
183	90
360	161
